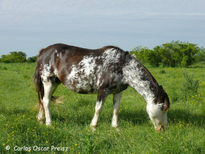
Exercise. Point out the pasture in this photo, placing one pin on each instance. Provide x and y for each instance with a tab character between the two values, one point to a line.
70	131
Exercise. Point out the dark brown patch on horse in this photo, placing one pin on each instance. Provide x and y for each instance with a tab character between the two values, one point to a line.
162	97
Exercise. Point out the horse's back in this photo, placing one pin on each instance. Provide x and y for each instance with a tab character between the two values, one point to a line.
63	49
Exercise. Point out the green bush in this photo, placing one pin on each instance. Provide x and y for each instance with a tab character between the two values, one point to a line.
189	87
172	54
200	57
146	55
32	59
14	57
17	57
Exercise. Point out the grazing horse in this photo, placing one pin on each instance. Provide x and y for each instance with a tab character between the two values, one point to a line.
107	70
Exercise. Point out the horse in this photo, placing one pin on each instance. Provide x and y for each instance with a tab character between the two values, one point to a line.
107	70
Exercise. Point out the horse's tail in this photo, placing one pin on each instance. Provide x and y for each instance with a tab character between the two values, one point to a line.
39	85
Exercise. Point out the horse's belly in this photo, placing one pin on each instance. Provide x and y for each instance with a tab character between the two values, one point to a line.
82	85
82	81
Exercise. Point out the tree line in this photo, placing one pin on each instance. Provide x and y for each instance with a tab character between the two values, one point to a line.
171	54
17	57
175	53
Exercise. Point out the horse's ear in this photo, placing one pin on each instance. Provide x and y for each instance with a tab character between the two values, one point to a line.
166	104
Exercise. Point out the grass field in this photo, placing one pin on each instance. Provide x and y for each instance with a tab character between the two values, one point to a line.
20	131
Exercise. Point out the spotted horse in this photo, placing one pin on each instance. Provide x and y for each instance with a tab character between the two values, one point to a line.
107	70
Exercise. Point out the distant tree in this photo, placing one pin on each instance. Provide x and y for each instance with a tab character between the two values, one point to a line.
31	59
146	55
172	54
14	57
200	56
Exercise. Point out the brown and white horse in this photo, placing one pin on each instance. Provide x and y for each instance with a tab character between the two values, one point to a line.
108	70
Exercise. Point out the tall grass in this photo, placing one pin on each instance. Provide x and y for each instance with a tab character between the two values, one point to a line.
189	87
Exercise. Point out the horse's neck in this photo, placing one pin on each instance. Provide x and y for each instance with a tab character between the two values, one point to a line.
137	78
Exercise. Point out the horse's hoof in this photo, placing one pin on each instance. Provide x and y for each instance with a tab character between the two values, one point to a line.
117	129
40	122
93	128
49	125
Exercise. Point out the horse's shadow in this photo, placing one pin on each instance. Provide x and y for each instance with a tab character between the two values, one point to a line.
83	118
178	115
174	117
138	117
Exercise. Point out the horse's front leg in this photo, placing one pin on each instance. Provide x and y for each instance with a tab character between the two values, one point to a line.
98	107
116	105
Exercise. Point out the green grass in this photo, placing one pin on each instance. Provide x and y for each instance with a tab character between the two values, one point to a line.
20	130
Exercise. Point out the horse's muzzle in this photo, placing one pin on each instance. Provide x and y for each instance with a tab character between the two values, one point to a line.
159	128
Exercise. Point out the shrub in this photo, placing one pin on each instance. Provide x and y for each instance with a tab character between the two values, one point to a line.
189	87
32	59
172	54
14	57
200	57
146	55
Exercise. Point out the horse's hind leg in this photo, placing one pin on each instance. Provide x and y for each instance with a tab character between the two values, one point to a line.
41	114
116	105
49	87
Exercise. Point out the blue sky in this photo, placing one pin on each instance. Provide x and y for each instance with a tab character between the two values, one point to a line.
28	26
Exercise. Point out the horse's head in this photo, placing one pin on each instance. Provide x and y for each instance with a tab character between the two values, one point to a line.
157	109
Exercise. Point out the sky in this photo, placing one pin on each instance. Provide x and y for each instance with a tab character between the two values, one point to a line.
29	26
